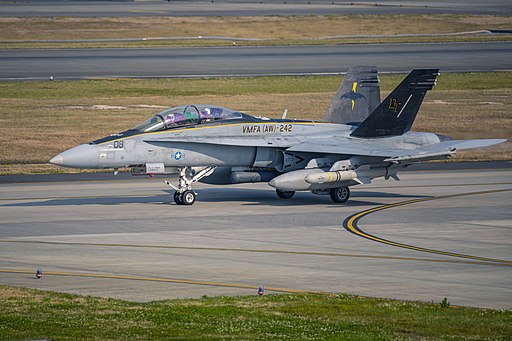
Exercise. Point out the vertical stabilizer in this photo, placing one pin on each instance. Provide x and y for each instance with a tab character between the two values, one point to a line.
396	114
357	96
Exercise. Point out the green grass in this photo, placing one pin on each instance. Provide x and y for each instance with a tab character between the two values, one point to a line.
33	314
166	87
228	86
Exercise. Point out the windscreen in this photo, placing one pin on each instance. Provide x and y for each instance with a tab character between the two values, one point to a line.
154	123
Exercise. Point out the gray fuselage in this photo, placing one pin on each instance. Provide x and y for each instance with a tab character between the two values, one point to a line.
269	151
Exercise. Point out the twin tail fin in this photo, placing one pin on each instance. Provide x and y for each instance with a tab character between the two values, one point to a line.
396	114
357	96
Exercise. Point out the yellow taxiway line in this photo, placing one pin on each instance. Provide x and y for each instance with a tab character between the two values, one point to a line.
351	225
165	280
227	249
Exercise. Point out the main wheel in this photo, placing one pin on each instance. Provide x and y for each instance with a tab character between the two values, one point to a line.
177	198
285	194
340	195
188	197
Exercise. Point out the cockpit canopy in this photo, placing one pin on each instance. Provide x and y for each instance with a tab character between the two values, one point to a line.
186	115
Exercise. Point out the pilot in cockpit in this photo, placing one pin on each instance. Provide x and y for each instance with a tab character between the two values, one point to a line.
206	115
170	120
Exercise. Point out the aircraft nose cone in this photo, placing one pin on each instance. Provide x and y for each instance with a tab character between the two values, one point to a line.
82	156
57	160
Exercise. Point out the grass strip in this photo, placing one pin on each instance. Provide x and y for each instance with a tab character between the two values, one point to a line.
176	87
274	30
31	314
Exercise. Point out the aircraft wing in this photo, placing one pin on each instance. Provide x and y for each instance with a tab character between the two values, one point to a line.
434	151
350	147
463	144
441	150
429	152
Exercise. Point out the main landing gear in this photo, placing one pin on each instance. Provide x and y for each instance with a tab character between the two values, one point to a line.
285	194
340	194
184	195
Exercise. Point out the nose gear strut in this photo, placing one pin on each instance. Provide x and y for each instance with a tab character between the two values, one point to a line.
184	195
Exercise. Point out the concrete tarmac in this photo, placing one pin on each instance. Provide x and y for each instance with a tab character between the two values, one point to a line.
123	239
250	61
55	8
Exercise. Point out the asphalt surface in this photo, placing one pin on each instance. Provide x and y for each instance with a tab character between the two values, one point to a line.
123	239
42	8
246	61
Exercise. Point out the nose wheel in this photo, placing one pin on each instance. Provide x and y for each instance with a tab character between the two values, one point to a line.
186	198
177	198
184	195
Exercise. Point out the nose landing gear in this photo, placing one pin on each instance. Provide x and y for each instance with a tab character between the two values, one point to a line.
186	198
184	195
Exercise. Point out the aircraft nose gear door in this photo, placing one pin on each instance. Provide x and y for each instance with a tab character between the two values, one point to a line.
184	195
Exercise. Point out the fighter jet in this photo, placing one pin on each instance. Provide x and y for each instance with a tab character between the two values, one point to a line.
360	139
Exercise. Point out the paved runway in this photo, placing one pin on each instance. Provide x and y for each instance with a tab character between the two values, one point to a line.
123	239
229	61
43	8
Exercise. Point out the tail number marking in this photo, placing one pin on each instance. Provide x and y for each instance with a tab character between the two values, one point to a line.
393	104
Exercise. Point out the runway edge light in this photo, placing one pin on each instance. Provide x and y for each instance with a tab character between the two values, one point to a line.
39	273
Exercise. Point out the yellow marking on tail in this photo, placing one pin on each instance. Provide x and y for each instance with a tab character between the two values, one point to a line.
354	89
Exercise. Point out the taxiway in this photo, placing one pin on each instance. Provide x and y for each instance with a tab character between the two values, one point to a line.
123	239
56	8
30	64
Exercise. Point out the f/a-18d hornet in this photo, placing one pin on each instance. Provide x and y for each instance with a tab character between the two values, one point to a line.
360	139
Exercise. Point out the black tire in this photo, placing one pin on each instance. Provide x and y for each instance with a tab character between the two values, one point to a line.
177	198
188	198
285	194
339	195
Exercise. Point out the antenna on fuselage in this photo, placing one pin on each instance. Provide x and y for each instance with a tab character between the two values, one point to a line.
284	113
